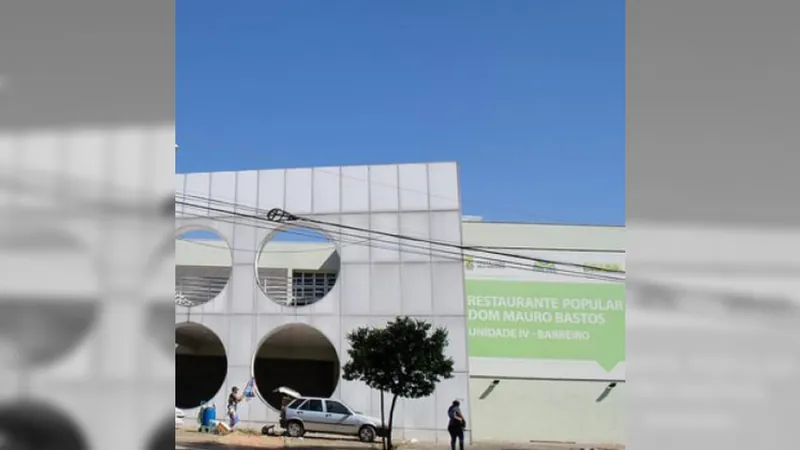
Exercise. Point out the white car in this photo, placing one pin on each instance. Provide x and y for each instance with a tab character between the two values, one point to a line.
179	416
326	415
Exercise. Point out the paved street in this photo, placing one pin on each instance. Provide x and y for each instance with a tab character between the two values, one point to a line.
246	441
419	446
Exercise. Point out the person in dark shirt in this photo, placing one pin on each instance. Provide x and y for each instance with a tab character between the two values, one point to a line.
233	404
456	425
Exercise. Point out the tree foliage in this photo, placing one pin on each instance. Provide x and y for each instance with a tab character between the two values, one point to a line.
405	358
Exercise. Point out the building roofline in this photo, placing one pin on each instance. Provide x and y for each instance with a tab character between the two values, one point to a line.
321	167
548	224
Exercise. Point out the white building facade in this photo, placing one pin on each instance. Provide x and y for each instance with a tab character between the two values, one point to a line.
375	283
549	367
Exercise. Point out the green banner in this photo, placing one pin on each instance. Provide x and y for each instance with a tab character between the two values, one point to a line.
544	320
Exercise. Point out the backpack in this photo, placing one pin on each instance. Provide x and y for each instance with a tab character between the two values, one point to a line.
455	423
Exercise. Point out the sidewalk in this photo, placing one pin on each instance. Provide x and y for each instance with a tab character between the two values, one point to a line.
192	440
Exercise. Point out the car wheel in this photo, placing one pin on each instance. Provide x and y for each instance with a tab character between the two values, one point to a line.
366	434
295	429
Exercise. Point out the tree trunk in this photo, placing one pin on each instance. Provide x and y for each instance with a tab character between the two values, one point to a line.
391	421
383	422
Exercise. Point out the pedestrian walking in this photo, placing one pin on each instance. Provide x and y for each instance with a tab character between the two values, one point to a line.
456	425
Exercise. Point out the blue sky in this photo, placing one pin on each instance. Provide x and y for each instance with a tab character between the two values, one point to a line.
527	95
298	234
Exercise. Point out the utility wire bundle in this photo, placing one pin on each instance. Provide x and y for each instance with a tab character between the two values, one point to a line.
280	220
276	218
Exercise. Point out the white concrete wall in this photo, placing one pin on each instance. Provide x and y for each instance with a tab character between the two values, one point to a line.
539	410
375	284
544	236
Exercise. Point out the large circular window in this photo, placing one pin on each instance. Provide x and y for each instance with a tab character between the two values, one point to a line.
203	266
200	365
297	356
30	425
51	296
297	266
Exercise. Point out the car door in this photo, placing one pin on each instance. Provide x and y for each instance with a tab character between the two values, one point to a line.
341	418
313	415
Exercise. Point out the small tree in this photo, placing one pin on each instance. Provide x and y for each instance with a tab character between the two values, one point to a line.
405	358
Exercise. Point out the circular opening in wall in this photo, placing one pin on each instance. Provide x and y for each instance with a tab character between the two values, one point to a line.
200	365
36	426
203	266
297	356
49	295
297	266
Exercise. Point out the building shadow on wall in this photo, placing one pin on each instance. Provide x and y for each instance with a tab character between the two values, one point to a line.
311	378
198	378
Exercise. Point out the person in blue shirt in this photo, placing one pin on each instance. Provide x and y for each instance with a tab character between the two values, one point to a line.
456	425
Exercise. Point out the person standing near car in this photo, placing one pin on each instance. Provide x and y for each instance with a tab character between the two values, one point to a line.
456	425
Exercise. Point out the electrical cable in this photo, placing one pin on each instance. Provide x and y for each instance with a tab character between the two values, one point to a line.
438	253
449	255
433	251
242	250
282	216
193	291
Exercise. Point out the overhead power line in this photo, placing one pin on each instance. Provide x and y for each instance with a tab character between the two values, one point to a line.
277	217
415	250
436	252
